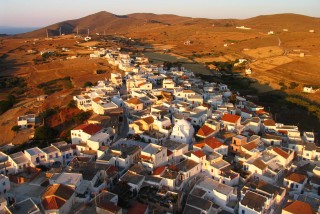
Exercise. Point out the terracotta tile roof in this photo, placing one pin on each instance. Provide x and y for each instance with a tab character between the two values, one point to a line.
109	207
188	91
141	84
281	152
210	141
231	118
254	201
199	154
296	177
269	123
250	146
169	153
149	120
90	129
298	207
259	163
205	131
134	101
283	132
97	99
52	203
137	208
144	157
60	190
261	111
159	170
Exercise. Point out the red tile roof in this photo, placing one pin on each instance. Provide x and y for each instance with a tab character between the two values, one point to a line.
298	207
210	141
250	146
52	203
109	207
137	208
144	157
296	177
199	154
231	118
149	120
169	153
159	170
281	152
90	129
269	123
205	131
134	101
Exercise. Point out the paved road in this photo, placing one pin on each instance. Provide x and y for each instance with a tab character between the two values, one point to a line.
124	128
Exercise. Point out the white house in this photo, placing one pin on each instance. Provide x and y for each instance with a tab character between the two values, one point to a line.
295	182
153	156
182	132
53	154
83	132
20	161
36	156
253	203
5	185
24	121
58	198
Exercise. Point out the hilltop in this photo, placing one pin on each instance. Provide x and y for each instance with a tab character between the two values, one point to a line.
110	23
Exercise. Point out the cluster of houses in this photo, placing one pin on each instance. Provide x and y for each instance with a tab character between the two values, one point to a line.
179	144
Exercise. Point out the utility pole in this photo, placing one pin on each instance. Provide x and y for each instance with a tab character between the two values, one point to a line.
77	30
60	31
47	34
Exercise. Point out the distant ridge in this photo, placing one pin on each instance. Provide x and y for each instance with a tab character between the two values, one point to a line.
110	23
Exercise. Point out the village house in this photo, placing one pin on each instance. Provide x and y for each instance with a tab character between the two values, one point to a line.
253	203
58	198
72	180
27	120
36	156
106	202
175	150
285	157
295	182
5	185
220	194
134	180
21	161
210	128
231	122
153	156
134	104
297	207
83	132
182	132
53	155
121	156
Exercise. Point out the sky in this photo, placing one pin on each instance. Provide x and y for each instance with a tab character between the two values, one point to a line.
40	13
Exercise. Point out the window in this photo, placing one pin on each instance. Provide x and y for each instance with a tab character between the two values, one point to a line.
56	155
243	211
297	186
50	156
4	183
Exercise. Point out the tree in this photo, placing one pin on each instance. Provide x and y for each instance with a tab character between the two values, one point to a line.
72	104
44	133
15	128
87	84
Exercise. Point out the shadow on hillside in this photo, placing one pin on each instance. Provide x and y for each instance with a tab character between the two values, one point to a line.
8	66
